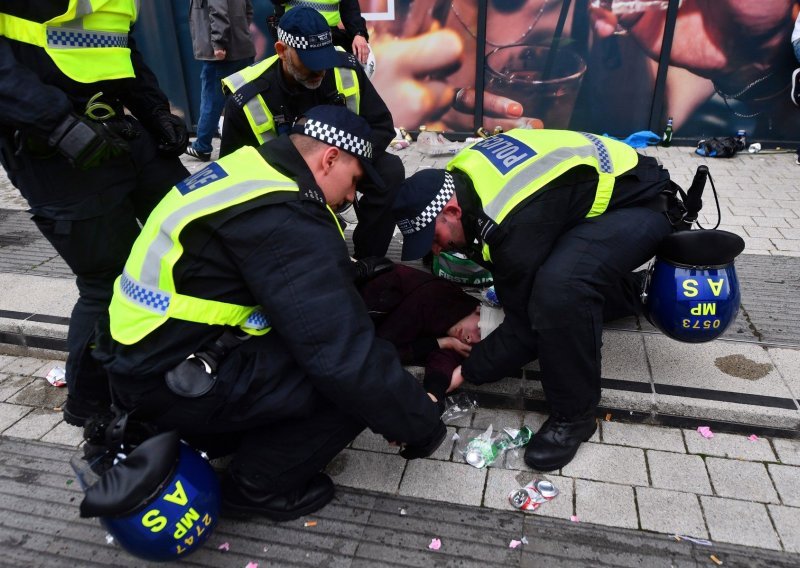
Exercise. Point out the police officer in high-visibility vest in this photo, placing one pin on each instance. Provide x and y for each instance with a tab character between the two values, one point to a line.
237	316
89	171
353	36
561	218
308	71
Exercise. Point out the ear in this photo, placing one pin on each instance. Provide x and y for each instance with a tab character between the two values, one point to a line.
329	158
281	49
452	210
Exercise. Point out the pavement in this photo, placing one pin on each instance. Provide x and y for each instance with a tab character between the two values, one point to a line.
645	476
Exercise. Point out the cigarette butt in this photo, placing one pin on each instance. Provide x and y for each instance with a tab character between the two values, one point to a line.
715	560
310	524
608	417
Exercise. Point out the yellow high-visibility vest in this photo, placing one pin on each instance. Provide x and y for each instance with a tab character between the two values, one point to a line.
258	114
145	296
88	42
506	169
328	8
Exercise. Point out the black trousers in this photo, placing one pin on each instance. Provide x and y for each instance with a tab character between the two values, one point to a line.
374	209
92	219
584	277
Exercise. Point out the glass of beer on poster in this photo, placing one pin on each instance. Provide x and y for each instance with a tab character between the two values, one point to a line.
544	80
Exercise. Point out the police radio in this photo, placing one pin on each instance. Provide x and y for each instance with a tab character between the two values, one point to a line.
691	292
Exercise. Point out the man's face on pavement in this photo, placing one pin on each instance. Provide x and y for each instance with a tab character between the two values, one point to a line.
338	180
299	72
467	329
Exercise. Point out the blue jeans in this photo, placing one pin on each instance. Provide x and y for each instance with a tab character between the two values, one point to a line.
212	100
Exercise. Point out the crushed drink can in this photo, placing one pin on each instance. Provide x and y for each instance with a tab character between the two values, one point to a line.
530	497
480	453
57	377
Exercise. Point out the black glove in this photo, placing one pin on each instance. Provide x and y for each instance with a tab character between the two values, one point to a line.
413	452
170	131
85	143
368	268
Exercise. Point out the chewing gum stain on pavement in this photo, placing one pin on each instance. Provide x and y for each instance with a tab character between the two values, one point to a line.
743	368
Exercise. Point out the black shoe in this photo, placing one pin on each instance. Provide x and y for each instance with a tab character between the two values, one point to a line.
796	87
238	500
77	410
557	442
202	156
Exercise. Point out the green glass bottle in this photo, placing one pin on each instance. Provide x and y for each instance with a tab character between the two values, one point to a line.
666	138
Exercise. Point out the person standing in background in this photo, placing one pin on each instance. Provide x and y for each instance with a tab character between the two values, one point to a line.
222	42
353	37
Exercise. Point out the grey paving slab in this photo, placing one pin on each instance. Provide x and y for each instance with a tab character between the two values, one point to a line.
787	482
724	518
37	294
787	521
22	366
788	450
498	419
642	436
678	472
445	450
729	412
603	462
443	481
605	504
739	368
11	413
65	435
367	470
787	361
11	384
739	479
40	393
670	512
34	424
369	440
501	482
624	357
736	446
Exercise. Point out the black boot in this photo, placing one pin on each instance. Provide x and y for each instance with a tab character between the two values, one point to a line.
77	410
557	441
239	498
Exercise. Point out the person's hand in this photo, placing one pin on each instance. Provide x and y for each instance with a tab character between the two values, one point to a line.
170	131
220	54
498	111
412	76
85	143
457	379
361	48
717	37
455	344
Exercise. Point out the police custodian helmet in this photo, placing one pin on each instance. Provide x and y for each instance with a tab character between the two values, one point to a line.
160	502
693	293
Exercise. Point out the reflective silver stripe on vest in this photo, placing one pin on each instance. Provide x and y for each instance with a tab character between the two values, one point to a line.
530	173
162	244
68	38
237	80
318	6
84	7
348	79
259	115
149	298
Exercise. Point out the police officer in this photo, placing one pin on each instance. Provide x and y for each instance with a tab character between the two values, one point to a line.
250	247
89	172
354	38
561	218
308	71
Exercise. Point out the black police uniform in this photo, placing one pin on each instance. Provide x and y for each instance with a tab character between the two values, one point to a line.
375	221
560	274
89	216
287	402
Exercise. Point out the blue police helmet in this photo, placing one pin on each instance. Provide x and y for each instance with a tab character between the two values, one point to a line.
161	502
693	294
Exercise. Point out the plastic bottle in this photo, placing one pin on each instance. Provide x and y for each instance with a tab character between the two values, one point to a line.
666	138
481	451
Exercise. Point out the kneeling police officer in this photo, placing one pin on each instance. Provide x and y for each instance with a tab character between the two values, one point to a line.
250	247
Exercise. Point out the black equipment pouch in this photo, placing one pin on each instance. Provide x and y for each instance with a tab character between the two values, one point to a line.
196	375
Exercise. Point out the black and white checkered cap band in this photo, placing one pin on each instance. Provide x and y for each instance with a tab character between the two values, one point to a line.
429	214
339	138
313	41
